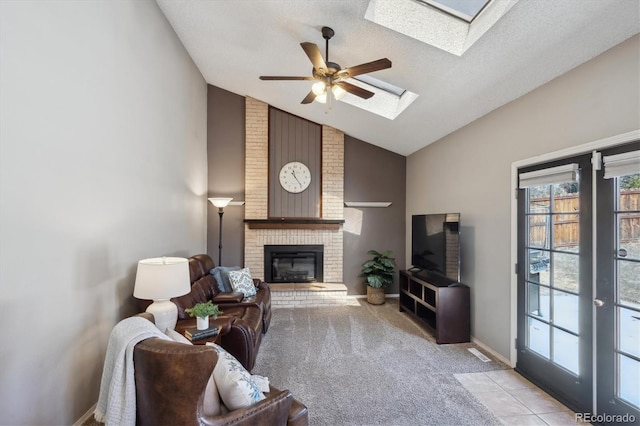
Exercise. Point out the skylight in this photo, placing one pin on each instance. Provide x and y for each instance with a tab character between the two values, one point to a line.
451	25
389	101
467	10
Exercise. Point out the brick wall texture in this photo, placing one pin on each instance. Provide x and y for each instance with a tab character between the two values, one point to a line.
257	197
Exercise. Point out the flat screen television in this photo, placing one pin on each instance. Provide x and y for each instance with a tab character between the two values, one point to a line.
435	244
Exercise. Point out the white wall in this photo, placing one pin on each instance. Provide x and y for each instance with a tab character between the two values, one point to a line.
469	170
102	163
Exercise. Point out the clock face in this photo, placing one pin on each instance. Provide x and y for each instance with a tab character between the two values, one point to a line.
295	177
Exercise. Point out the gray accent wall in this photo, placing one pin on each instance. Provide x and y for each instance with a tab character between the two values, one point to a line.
225	154
372	174
102	163
469	171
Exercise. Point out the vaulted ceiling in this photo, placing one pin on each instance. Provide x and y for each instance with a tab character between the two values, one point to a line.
233	42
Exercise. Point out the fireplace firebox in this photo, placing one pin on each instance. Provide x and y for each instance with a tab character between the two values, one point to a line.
293	263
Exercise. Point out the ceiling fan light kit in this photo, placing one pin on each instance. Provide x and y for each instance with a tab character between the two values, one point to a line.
329	75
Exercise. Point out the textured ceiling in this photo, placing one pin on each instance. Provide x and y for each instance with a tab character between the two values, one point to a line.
233	42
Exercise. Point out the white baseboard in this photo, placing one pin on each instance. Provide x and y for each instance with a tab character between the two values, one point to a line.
86	416
491	351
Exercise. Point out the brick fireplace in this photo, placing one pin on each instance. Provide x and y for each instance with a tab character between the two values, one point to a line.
256	196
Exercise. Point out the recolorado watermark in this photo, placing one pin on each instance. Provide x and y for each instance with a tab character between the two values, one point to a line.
605	418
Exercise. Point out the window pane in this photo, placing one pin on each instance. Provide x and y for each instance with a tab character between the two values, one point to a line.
629	331
538	264
538	301
565	271
566	232
629	385
539	199
629	235
565	350
565	310
629	187
566	198
539	231
628	282
539	337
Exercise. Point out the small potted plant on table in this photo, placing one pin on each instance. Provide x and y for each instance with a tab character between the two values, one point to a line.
202	312
378	273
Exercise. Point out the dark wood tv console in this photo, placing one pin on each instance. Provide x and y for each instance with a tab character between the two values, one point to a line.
441	303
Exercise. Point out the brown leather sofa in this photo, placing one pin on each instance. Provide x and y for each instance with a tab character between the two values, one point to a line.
171	379
250	317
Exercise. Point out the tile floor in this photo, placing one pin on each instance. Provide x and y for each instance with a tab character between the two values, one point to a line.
515	400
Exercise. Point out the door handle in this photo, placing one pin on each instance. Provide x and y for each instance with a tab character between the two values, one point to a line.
598	303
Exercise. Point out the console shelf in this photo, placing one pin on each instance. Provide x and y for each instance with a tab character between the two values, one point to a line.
442	304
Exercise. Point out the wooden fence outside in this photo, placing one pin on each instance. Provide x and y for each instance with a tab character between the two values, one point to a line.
565	221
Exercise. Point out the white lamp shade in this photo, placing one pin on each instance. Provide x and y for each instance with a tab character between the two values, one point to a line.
162	278
220	202
338	92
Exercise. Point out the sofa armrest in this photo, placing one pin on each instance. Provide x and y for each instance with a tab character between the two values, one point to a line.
228	297
273	410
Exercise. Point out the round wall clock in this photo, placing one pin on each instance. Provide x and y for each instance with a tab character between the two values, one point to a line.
295	177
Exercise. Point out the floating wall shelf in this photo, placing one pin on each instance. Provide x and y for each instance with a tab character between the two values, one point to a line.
367	203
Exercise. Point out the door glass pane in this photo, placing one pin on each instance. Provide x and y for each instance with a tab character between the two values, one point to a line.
538	301
566	198
629	283
565	310
566	350
565	231
629	385
565	271
539	199
539	337
629	234
538	266
629	189
539	235
629	321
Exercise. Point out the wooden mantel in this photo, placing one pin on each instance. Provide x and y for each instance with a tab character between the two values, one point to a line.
292	223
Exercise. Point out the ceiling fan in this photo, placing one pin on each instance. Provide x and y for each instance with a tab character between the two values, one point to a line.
330	77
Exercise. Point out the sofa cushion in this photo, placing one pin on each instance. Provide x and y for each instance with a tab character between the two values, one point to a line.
220	273
241	281
236	386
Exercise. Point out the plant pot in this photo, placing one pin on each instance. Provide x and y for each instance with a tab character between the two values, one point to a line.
375	296
202	323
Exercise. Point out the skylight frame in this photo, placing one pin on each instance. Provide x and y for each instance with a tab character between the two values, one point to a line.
384	102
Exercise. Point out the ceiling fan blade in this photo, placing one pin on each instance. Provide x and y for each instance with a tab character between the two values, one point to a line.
378	65
309	98
315	56
279	77
355	90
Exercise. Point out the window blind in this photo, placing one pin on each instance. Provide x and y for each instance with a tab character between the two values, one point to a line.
549	176
624	164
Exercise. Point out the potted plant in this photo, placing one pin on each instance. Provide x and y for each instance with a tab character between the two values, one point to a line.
378	273
202	312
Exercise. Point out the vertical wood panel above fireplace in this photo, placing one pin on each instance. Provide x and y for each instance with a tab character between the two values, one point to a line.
293	263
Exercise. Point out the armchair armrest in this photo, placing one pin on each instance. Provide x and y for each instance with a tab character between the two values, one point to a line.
234	296
273	410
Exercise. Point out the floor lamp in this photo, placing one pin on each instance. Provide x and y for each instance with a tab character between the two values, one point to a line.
220	203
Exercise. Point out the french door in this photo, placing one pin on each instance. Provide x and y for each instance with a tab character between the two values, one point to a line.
578	340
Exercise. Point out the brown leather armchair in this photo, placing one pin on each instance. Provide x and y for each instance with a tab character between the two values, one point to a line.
171	379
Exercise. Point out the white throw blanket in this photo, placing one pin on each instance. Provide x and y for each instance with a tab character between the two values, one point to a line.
117	400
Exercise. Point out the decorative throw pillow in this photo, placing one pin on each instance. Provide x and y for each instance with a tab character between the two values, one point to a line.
241	281
221	274
211	403
236	386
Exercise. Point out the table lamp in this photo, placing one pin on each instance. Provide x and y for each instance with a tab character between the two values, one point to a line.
160	279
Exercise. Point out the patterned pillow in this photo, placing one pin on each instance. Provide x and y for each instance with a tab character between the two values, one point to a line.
241	281
221	274
236	386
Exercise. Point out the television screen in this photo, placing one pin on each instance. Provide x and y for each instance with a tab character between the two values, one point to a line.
435	244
